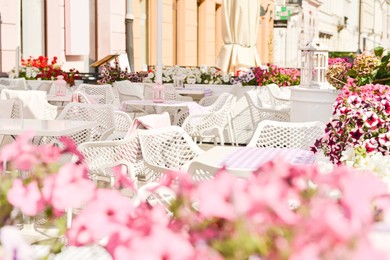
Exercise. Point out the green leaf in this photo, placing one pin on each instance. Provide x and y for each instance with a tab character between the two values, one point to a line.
378	51
374	73
385	59
352	73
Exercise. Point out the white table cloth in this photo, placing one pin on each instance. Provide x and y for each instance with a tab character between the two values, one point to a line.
242	161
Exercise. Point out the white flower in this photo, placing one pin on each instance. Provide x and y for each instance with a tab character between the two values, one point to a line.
14	244
212	70
11	74
147	80
191	79
197	72
374	162
150	75
226	78
166	79
169	71
203	68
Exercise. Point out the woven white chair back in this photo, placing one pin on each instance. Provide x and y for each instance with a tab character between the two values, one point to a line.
287	134
129	91
167	148
102	93
102	114
259	113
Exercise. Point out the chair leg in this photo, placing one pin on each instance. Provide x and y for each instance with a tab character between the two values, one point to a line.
232	131
232	134
221	137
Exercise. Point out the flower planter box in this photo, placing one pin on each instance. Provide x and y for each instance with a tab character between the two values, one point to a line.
309	104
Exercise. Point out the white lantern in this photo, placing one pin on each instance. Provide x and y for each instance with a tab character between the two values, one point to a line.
158	93
314	63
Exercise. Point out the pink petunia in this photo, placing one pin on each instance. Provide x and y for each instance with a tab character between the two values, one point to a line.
69	188
21	153
49	153
27	198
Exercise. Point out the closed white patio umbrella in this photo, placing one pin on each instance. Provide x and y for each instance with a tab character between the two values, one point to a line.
240	25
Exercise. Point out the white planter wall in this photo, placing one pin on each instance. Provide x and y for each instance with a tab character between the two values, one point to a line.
309	104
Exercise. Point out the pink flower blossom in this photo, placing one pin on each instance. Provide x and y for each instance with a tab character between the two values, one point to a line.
27	198
21	153
69	188
104	216
71	147
49	153
218	191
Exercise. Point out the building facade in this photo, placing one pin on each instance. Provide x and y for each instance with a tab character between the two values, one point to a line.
80	32
342	25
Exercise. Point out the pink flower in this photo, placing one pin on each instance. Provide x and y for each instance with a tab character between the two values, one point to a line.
215	196
71	147
371	145
69	188
369	188
356	133
105	215
122	180
354	101
384	139
27	198
49	153
150	247
21	153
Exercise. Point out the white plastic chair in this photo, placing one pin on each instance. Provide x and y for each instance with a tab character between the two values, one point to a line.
259	112
122	124
102	114
277	97
207	101
287	134
15	84
102	93
100	156
212	123
166	149
9	109
130	91
35	103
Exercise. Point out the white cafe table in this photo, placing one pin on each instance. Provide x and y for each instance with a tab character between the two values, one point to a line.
43	127
170	106
54	98
165	103
196	93
59	100
242	161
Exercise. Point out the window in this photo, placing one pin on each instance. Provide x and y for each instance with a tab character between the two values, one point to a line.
33	28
